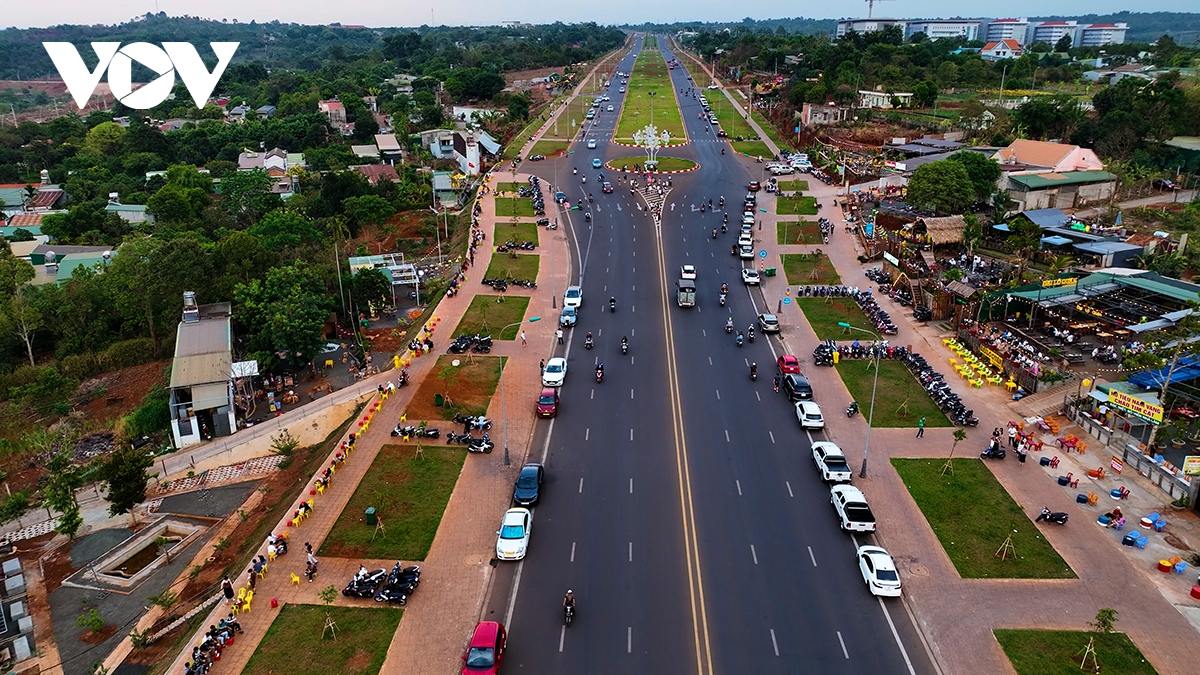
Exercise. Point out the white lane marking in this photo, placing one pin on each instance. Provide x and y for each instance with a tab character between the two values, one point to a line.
718	394
629	640
631	434
812	557
562	635
704	333
789	487
587	433
634	288
631	360
512	599
630	486
772	436
739	486
631	394
632	308
632	332
631	551
774	643
726	435
888	615
844	652
710	361
593	396
581	486
754	554
572	551
757	396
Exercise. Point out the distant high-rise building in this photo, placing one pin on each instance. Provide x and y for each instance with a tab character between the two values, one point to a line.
936	29
868	25
1006	29
1051	32
1100	34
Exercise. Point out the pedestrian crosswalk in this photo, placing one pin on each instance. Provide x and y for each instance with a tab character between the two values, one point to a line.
654	195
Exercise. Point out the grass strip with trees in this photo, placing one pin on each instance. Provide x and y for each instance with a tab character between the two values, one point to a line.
518	231
650	87
1060	652
974	517
793	186
409	491
296	641
815	269
514	206
772	132
549	148
899	400
803	205
467	387
513	266
487	314
664	163
798	232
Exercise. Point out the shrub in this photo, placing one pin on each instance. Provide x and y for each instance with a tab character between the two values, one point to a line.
128	353
154	414
90	620
80	366
48	388
14	507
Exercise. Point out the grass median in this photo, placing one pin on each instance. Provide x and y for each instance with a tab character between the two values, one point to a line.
798	232
507	207
549	149
664	163
752	148
796	206
467	388
487	314
793	185
295	641
899	400
409	492
812	268
650	85
513	266
1059	652
518	232
972	516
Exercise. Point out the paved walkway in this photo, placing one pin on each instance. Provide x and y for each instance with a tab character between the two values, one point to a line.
957	615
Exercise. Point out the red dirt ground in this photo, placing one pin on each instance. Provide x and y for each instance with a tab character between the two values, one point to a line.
130	385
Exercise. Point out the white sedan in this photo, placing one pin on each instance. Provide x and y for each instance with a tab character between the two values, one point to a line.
555	372
809	415
749	276
879	571
513	539
573	297
687	272
713	86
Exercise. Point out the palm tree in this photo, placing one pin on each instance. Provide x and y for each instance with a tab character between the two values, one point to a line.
1057	264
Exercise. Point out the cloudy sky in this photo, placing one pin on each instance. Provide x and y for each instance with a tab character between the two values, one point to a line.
382	13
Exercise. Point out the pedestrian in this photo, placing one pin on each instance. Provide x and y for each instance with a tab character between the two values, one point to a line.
1012	436
523	343
542	366
920	427
227	589
1021	452
250	577
776	384
559	334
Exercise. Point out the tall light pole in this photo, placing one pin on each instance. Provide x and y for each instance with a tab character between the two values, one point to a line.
503	409
870	413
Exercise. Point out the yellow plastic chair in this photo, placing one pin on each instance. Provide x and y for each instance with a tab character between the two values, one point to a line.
237	608
977	383
295	579
271	555
262	574
947	341
1010	385
320	488
953	362
241	595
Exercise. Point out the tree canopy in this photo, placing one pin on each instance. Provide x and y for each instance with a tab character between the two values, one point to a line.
943	186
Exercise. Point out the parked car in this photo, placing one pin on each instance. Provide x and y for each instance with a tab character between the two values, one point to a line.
547	405
851	506
713	86
879	571
809	415
1163	184
746	252
573	297
831	462
749	276
485	651
568	318
788	363
528	490
796	387
555	373
768	323
512	539
536	158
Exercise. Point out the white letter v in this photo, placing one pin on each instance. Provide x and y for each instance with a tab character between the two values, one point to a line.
75	75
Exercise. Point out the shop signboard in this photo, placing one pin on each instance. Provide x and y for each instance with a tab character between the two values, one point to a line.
1049	283
1191	465
891	258
992	357
1137	406
1117	463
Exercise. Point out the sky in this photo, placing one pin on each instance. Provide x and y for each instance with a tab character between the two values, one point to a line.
387	13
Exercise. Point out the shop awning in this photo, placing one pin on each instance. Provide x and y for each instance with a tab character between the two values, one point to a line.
1061	300
1003	227
1056	240
1101	396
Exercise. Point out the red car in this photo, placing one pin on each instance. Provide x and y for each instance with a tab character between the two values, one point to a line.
788	364
547	405
485	651
753	186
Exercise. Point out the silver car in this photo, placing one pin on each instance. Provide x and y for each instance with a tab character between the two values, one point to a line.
568	317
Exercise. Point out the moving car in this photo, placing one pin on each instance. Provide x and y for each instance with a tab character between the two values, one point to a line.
610	108
753	186
547	405
809	415
768	323
568	317
721	133
749	276
536	158
796	387
529	483
485	651
606	188
879	571
573	297
788	363
851	506
622	90
831	462
513	536
687	272
1163	184
555	373
713	86
591	144
596	163
559	197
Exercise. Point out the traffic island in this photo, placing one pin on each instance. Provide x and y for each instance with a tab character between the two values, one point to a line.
813	269
633	164
295	641
488	313
793	186
650	98
407	487
799	232
983	531
1059	652
512	267
459	383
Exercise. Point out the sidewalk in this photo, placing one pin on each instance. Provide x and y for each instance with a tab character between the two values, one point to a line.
957	615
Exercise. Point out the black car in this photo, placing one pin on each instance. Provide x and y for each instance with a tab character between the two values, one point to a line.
796	387
536	158
529	484
606	187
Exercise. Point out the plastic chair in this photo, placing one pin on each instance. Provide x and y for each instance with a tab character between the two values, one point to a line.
272	555
241	594
295	579
1180	567
285	535
320	488
1142	541
1160	524
237	608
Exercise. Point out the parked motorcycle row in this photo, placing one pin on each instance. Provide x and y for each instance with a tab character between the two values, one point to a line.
410	431
878	318
502	285
935	384
828	291
511	245
534	192
900	294
470	422
823	354
479	344
395	586
482	443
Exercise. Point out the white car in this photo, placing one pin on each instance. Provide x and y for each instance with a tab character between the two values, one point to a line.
768	323
592	144
513	536
687	272
879	571
746	252
573	297
809	415
556	372
851	506
749	276
781	170
747	218
610	108
831	462
713	86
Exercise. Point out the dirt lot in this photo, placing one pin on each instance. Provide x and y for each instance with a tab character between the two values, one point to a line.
123	391
513	76
470	389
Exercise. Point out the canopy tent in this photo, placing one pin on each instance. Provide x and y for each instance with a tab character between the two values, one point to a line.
1056	240
1188	368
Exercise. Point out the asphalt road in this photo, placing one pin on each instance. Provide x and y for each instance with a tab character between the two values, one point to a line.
681	504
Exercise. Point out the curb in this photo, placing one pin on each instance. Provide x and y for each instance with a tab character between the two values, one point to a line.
657	173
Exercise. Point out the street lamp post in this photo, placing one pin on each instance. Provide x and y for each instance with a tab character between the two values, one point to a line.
503	408
870	413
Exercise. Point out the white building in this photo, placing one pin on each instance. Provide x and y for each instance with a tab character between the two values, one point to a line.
1100	34
883	99
1006	29
868	25
1051	32
201	396
936	29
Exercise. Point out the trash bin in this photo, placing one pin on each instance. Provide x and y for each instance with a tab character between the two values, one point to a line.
770	271
371	515
438	400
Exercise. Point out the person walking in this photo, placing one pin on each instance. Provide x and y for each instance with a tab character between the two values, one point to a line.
559	334
250	578
1012	436
542	366
920	427
523	343
227	589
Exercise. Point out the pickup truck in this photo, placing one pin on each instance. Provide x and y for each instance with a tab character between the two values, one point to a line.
685	295
851	507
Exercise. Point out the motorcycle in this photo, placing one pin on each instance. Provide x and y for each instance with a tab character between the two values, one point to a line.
624	347
723	301
612	305
750	335
401	582
588	344
754	371
473	421
568	614
1058	517
740	339
483	444
599	374
852	409
729	325
364	584
993	453
714	234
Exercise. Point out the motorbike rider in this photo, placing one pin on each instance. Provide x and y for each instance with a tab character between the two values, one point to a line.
569	600
587	342
725	218
599	370
624	343
754	371
612	302
740	338
750	331
724	288
714	233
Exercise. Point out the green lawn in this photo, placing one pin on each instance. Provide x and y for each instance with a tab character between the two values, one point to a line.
650	75
971	515
1059	652
294	641
793	185
490	313
902	402
664	163
522	267
409	492
798	267
549	148
790	206
751	148
576	112
519	232
514	206
798	232
771	131
823	315
509	187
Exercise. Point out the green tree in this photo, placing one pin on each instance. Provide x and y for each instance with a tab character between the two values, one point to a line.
983	172
1063	44
367	209
370	285
59	492
21	318
283	228
14	272
175	204
105	139
942	186
972	232
142	289
247	195
188	176
124	472
285	313
925	94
